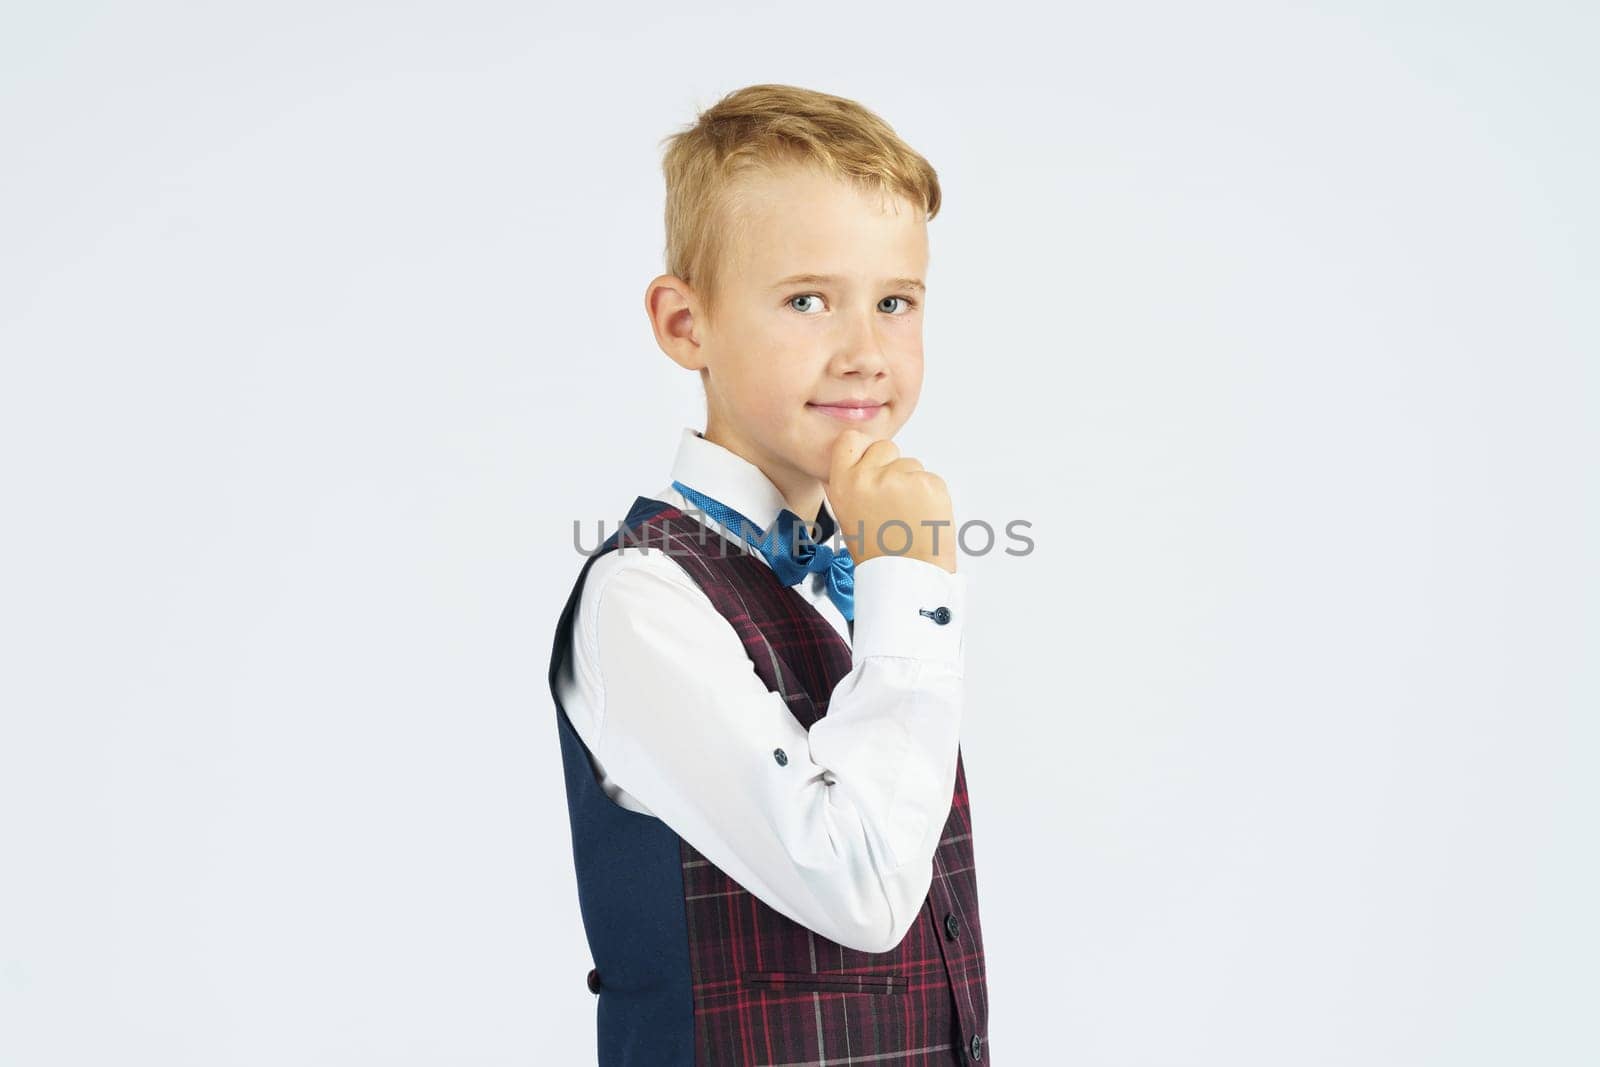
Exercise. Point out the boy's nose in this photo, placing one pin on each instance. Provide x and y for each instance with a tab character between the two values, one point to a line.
861	348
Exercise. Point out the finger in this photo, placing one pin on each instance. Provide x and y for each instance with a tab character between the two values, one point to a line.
847	449
880	453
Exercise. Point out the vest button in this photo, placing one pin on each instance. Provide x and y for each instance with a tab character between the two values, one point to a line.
779	755
951	927
594	981
977	1047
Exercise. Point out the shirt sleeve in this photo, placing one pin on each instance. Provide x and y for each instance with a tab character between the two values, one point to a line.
840	838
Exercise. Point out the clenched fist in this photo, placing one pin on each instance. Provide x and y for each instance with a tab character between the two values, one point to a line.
870	484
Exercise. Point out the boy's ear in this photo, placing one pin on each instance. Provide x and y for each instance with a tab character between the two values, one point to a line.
673	309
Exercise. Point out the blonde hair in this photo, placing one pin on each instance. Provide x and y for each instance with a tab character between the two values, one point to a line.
758	129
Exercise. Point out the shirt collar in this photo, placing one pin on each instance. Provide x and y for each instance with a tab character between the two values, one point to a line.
707	467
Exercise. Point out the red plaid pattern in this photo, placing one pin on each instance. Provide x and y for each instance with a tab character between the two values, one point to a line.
766	989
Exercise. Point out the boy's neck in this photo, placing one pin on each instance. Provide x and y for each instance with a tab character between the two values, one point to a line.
802	493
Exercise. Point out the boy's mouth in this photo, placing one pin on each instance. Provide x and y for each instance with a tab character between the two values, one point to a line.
850	410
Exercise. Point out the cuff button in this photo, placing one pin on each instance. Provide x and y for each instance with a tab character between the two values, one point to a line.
940	614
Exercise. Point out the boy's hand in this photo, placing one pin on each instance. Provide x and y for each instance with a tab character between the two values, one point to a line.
870	484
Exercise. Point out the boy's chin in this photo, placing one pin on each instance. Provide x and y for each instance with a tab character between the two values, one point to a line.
830	427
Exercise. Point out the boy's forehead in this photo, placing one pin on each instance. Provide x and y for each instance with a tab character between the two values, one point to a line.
806	224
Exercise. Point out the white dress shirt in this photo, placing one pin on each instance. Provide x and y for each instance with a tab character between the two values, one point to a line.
679	725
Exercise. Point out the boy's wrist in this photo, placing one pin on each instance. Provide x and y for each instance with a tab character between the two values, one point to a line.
910	608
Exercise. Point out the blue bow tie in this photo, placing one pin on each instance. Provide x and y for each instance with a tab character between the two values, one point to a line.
788	547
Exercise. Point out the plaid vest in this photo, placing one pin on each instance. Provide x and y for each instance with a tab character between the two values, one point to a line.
691	969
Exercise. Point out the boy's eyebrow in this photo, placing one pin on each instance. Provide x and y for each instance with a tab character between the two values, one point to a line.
819	279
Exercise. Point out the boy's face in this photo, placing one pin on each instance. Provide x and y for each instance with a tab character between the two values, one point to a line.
781	349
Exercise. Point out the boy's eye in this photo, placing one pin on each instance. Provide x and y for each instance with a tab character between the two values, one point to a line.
906	303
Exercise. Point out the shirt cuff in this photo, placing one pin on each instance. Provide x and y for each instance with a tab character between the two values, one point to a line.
910	608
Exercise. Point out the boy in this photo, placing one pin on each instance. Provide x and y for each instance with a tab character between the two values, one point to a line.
759	730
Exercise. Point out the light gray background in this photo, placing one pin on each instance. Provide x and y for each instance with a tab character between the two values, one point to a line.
321	322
